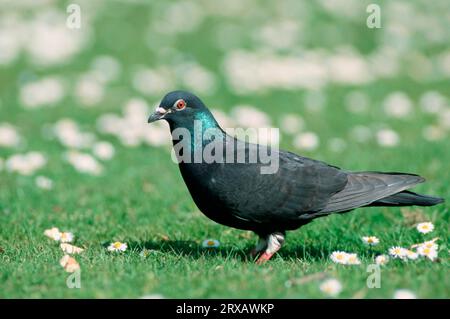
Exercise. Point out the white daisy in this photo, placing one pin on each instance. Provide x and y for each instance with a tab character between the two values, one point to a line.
103	150
44	182
9	136
371	240
70	135
84	163
432	102
430	253
45	91
397	104
69	263
411	255
397	252
339	257
387	138
431	244
210	243
117	246
352	259
25	164
382	260
291	123
53	233
306	141
90	90
107	68
433	133
66	237
331	287
250	116
425	228
404	294
145	253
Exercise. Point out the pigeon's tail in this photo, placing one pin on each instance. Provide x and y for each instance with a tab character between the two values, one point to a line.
407	198
378	189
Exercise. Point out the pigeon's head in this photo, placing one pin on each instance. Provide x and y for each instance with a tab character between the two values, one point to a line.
177	106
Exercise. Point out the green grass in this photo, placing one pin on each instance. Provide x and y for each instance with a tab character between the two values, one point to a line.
141	199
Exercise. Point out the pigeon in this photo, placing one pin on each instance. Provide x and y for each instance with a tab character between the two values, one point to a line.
233	189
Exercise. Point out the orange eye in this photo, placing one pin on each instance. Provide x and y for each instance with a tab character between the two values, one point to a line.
180	104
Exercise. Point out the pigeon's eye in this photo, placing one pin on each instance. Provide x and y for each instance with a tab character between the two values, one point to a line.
180	104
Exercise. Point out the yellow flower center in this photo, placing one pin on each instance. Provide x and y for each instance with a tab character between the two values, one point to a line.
117	245
211	243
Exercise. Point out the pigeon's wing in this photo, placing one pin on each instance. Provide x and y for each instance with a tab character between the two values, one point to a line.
364	188
299	186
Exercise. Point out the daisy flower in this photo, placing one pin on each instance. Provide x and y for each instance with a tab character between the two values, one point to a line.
430	253
404	294
430	244
331	287
71	249
371	240
146	252
411	255
66	237
44	182
352	259
53	233
69	264
103	150
210	243
117	246
425	228
382	260
397	252
339	257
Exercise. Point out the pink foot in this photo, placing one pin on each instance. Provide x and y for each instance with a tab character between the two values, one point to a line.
264	258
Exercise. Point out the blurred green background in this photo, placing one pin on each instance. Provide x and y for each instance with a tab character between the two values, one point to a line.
76	152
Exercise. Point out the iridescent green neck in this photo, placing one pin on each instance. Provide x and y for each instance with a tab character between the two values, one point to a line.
201	125
207	120
206	123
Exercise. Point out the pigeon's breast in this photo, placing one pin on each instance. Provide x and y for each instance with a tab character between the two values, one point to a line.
210	191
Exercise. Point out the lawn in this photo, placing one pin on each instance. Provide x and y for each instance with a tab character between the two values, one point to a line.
138	196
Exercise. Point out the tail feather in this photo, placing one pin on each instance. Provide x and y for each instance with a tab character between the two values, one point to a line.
365	188
408	198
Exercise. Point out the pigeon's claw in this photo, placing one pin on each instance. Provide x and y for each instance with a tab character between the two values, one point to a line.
274	243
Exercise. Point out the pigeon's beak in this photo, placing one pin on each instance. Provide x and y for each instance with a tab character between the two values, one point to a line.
157	115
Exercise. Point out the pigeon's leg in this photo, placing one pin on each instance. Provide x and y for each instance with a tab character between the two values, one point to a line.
260	246
274	243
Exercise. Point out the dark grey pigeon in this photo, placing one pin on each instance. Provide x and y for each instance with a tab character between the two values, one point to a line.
236	193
